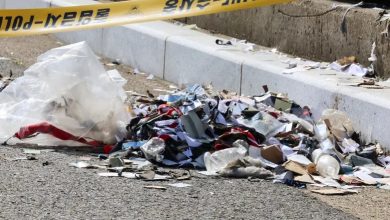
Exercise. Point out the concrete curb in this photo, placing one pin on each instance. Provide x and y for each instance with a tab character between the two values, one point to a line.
321	37
182	56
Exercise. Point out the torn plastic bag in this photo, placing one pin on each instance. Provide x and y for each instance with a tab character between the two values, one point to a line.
218	160
69	88
353	69
246	167
244	172
154	149
262	122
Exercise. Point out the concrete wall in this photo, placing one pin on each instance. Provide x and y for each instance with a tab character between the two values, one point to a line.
317	38
140	47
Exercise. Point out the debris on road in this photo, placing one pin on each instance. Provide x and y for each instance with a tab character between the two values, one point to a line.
22	158
81	164
150	77
31	151
236	44
180	185
266	136
349	66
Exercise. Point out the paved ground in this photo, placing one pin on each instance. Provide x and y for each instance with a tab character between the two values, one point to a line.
29	190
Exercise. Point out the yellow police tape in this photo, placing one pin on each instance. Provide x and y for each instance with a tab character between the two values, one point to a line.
20	22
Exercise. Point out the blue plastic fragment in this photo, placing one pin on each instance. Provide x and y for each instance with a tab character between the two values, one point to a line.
133	144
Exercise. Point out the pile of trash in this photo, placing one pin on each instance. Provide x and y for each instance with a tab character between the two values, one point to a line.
265	136
223	134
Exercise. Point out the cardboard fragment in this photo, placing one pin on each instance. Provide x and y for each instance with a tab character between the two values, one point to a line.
272	153
282	105
327	181
304	179
184	177
365	178
299	168
311	168
351	180
295	167
181	175
299	158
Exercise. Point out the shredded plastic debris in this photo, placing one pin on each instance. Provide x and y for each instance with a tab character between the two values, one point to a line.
266	136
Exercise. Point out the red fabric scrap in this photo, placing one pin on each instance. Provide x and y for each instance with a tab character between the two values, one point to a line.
46	128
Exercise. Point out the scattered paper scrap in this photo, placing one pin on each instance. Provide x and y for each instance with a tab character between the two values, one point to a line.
81	164
109	174
180	185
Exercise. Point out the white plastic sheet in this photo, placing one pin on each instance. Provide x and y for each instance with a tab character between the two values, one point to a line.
218	160
69	88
